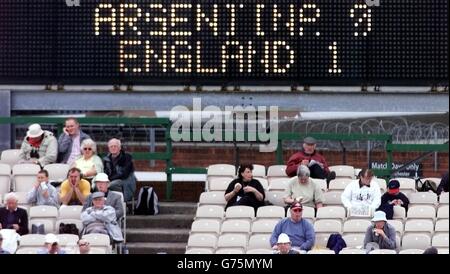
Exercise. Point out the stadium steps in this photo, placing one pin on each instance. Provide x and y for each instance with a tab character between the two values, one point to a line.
166	232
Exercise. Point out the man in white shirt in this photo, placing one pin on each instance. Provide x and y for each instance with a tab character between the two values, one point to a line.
363	196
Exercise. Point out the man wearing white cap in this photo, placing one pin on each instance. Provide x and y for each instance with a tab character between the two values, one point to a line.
284	245
112	199
380	233
38	147
51	245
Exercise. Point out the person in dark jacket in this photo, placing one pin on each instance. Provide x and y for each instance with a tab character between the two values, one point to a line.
69	142
245	190
119	167
393	197
12	216
443	185
309	157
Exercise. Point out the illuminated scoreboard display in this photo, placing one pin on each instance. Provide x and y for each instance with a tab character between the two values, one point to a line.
294	42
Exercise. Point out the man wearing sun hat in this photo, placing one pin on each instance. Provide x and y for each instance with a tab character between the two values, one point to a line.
380	233
393	197
300	231
38	147
284	245
51	245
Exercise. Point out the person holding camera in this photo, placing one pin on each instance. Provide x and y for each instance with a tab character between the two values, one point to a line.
69	142
380	234
38	147
43	193
12	216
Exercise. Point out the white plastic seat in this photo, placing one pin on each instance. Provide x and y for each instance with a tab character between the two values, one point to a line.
221	170
76	222
399	213
429	198
279	184
67	239
406	184
356	226
321	251
421	212
398	225
10	157
328	225
264	183
210	211
230	251
307	213
232	241
339	184
440	240
29	240
275	198
321	240
419	225
240	212
331	212
443	251
382	183
321	182
383	251
352	251
416	241
259	251
212	198
443	198
270	212
219	183
24	176
442	212
5	179
201	240
199	251
98	240
49	225
264	225
332	198
206	226
70	212
45	215
441	226
57	172
258	241
28	250
354	240
276	171
259	171
411	251
235	226
343	171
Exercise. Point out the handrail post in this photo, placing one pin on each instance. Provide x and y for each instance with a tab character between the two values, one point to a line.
169	164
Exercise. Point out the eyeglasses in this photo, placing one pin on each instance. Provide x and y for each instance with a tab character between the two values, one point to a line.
87	148
296	210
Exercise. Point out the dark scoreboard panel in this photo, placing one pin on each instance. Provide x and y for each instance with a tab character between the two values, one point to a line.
320	42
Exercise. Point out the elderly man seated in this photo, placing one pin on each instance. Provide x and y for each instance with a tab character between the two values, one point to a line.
380	234
12	216
101	218
303	189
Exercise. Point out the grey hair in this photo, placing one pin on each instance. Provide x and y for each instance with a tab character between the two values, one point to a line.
11	196
303	171
89	143
116	141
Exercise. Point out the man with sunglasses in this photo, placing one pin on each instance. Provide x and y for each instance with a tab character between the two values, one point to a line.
300	231
84	247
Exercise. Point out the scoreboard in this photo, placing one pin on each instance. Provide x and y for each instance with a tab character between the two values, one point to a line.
287	42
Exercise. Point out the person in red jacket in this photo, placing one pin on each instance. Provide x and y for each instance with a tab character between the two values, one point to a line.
309	157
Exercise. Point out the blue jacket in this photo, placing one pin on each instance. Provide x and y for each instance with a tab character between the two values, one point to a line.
301	234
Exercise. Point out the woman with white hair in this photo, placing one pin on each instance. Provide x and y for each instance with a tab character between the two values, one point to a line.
89	163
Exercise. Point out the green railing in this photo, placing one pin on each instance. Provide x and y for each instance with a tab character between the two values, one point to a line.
167	155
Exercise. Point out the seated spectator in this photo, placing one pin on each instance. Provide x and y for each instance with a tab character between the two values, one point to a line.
245	190
12	216
118	165
84	247
300	231
393	197
43	193
303	189
284	245
51	245
112	199
74	190
89	163
38	147
362	195
443	185
309	157
380	234
2	251
101	218
69	142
